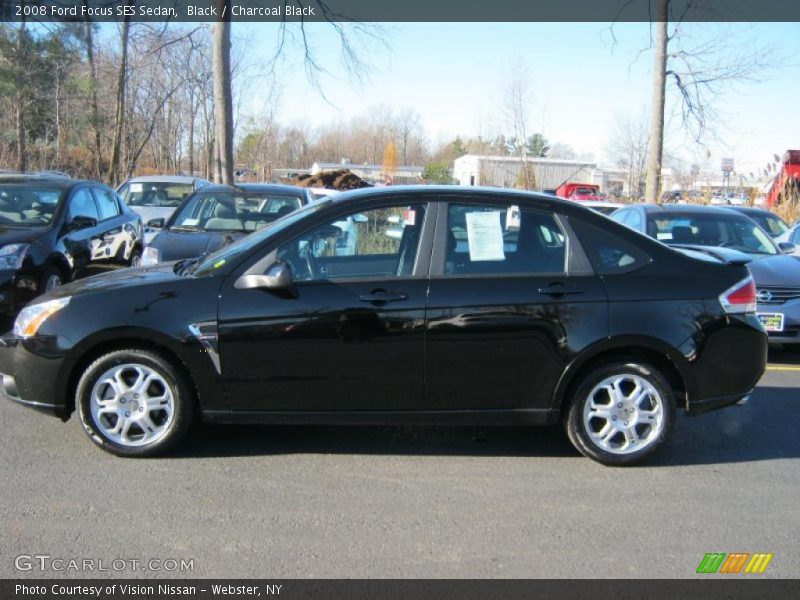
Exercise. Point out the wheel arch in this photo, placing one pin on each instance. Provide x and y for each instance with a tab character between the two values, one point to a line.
670	363
60	262
88	350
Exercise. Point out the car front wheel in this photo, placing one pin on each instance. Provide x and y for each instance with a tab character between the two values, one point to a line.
621	413
134	403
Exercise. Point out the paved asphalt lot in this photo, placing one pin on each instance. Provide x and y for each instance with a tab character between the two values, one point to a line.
411	502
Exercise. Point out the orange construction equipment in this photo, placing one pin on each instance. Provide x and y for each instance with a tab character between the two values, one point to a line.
790	169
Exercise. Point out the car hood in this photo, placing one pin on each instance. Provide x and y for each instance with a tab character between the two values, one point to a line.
117	280
780	270
153	212
175	245
20	235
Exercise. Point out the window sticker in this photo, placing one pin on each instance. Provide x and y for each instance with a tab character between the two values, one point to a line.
136	188
409	217
513	218
485	236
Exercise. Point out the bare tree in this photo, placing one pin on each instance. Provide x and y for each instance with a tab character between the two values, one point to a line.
628	148
701	72
515	108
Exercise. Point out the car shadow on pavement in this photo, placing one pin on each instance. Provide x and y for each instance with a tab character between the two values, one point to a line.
247	440
767	428
783	356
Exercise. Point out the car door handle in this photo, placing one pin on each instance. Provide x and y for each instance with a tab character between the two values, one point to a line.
558	289
381	296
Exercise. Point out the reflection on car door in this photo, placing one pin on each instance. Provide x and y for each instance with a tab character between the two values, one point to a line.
351	338
511	299
115	238
82	245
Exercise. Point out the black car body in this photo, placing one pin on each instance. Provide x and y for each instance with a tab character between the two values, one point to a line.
715	229
216	215
55	229
489	306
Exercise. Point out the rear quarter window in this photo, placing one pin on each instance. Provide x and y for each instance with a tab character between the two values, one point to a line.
609	253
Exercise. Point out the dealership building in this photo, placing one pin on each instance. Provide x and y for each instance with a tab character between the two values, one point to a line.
504	171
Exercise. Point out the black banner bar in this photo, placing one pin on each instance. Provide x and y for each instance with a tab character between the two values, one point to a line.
711	588
398	11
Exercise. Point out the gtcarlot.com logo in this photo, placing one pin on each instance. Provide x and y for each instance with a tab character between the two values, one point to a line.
735	562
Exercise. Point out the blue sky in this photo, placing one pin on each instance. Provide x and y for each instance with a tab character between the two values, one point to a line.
453	75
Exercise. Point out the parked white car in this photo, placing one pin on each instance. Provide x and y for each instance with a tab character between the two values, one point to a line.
157	196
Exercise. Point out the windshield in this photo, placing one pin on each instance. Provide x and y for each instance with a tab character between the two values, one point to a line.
243	246
150	193
234	211
772	224
28	205
736	232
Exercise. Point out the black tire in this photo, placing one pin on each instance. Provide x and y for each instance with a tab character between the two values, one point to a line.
135	259
652	437
173	381
50	275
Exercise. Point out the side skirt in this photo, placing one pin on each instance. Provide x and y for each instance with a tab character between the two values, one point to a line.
520	416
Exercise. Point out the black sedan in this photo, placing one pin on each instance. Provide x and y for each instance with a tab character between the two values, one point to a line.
451	306
217	215
54	229
715	230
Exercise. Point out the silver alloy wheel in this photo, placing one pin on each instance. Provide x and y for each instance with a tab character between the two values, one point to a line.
53	282
132	405
623	414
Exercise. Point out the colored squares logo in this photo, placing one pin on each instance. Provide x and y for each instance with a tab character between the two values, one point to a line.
733	563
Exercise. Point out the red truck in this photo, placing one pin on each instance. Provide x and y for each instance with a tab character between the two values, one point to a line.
579	191
789	169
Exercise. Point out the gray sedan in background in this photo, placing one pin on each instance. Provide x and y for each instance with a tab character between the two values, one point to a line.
731	235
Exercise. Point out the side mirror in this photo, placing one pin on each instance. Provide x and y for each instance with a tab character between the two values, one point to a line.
82	222
787	248
156	223
277	277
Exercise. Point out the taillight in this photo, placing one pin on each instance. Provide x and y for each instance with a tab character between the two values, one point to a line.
741	298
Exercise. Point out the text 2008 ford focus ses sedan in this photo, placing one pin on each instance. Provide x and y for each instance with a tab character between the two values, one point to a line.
451	305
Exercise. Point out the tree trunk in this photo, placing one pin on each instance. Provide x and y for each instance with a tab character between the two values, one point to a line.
656	147
114	168
93	97
223	99
19	112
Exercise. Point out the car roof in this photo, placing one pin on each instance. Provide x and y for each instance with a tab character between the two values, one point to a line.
163	179
253	187
749	210
62	183
697	209
526	197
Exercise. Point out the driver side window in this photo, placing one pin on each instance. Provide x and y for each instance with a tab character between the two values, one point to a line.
380	243
82	205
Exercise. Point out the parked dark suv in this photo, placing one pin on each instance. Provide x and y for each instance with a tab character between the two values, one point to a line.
453	305
54	229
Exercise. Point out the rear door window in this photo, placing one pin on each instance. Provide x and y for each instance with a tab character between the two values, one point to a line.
503	240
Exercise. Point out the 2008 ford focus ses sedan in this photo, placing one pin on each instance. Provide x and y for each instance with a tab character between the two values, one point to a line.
451	305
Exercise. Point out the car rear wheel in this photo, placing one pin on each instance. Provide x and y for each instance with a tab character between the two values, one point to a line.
134	403
621	413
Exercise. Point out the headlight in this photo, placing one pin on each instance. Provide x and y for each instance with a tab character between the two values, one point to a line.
12	255
151	256
31	317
